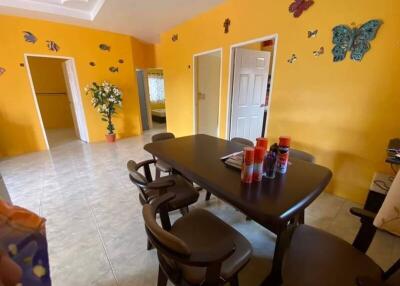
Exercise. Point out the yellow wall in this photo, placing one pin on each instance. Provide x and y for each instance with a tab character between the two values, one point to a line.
20	130
51	92
344	113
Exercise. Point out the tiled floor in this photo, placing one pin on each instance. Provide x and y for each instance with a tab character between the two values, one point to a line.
61	136
94	223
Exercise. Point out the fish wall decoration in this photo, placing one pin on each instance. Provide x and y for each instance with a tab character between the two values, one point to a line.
312	34
21	65
113	69
292	59
93	64
52	46
299	6
319	52
105	47
2	70
29	37
174	37
354	40
121	61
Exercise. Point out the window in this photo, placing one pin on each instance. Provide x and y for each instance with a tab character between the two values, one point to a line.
156	87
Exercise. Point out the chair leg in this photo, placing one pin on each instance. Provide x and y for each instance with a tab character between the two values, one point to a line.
162	277
158	173
184	211
208	196
234	281
301	217
149	245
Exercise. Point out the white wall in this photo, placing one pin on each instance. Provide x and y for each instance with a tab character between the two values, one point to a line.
208	92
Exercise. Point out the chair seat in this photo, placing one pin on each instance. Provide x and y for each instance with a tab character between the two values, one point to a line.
203	231
318	258
163	167
185	193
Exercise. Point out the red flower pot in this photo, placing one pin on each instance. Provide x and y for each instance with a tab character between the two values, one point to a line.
110	138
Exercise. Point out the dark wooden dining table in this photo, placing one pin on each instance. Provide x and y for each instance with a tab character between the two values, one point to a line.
273	203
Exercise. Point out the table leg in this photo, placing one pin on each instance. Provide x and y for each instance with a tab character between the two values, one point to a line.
282	243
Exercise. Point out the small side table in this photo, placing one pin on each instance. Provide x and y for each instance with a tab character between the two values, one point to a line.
377	194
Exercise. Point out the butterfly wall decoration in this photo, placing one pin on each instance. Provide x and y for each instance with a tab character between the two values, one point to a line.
29	37
319	52
312	34
292	59
354	40
53	46
174	37
299	6
2	70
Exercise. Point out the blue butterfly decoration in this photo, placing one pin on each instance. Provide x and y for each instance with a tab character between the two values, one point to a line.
354	40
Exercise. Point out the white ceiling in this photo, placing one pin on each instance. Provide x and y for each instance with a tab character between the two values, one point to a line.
144	19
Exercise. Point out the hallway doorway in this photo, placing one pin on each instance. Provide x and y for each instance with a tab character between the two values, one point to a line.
207	91
57	99
151	98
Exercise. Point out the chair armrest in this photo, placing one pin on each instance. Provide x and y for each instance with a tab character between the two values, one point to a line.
367	281
363	214
145	163
157	203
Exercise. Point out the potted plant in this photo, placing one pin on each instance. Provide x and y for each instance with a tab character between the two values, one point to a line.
106	97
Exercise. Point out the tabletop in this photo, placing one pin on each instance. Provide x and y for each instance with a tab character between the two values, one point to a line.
271	202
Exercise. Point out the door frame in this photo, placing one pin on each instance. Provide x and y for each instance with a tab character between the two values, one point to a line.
195	123
75	94
231	75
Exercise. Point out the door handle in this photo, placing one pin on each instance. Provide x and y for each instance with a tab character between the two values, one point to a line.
262	105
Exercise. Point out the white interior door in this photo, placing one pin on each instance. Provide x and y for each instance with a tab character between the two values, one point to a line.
208	92
251	70
74	96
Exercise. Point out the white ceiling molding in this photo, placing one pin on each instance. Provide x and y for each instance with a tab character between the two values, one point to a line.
143	19
80	9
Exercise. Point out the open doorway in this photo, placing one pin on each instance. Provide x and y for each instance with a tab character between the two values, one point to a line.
152	98
251	81
57	97
207	90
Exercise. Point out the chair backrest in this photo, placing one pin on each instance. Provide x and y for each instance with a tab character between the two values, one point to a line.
301	155
135	176
162	136
138	179
243	141
162	239
388	216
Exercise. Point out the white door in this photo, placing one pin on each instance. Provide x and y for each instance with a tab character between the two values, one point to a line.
250	82
74	98
208	92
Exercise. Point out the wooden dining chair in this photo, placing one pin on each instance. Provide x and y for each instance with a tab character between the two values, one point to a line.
184	192
243	141
238	140
162	167
198	249
301	155
314	257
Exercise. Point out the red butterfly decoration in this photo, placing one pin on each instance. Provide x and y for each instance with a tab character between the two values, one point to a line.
299	6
